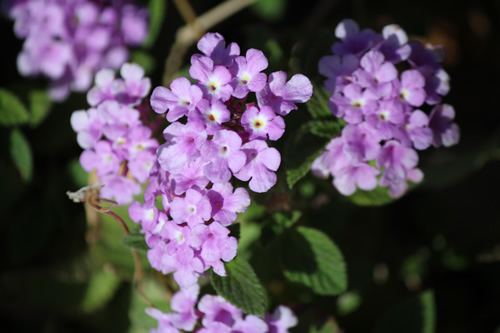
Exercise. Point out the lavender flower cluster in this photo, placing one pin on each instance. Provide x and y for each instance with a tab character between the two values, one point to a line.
117	144
68	41
220	137
382	109
217	316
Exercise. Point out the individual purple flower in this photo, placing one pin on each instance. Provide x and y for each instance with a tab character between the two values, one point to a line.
182	146
387	119
88	126
375	70
353	103
217	309
120	188
211	115
224	156
361	143
102	90
262	123
360	175
251	324
164	325
281	95
215	244
181	99
183	303
226	204
280	320
194	208
213	46
353	41
133	87
412	88
395	47
247	73
418	131
260	166
213	80
101	158
191	177
445	131
146	214
338	70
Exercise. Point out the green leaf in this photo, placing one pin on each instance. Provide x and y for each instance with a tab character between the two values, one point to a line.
305	145
12	111
40	105
417	315
135	240
145	60
348	302
241	287
284	220
309	257
20	152
157	11
100	289
318	104
270	9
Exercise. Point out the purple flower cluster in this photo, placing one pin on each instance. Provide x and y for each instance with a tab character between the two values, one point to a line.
222	137
383	109
117	144
216	315
68	41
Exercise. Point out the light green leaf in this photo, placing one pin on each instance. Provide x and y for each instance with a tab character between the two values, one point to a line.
157	11
241	287
417	315
20	152
12	111
100	289
135	240
40	105
309	257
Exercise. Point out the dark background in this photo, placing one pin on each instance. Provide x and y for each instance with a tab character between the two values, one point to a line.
442	236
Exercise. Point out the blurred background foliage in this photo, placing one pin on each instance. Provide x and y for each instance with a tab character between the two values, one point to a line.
429	262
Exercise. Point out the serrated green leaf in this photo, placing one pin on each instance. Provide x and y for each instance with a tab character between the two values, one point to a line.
309	257
100	289
157	11
135	240
12	111
40	105
417	315
305	145
20	152
318	104
241	287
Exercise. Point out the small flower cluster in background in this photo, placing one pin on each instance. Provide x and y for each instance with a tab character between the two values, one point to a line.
222	134
117	144
68	41
217	316
384	109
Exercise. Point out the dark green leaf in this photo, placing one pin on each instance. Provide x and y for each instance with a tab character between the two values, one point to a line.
157	11
20	152
135	240
417	315
270	9
309	257
318	104
305	146
40	105
12	111
241	287
284	220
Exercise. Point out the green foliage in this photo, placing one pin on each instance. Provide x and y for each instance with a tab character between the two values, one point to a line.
241	287
280	221
101	287
20	152
157	11
318	104
376	197
329	327
348	302
135	240
309	257
271	10
12	111
305	145
417	315
40	106
145	60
